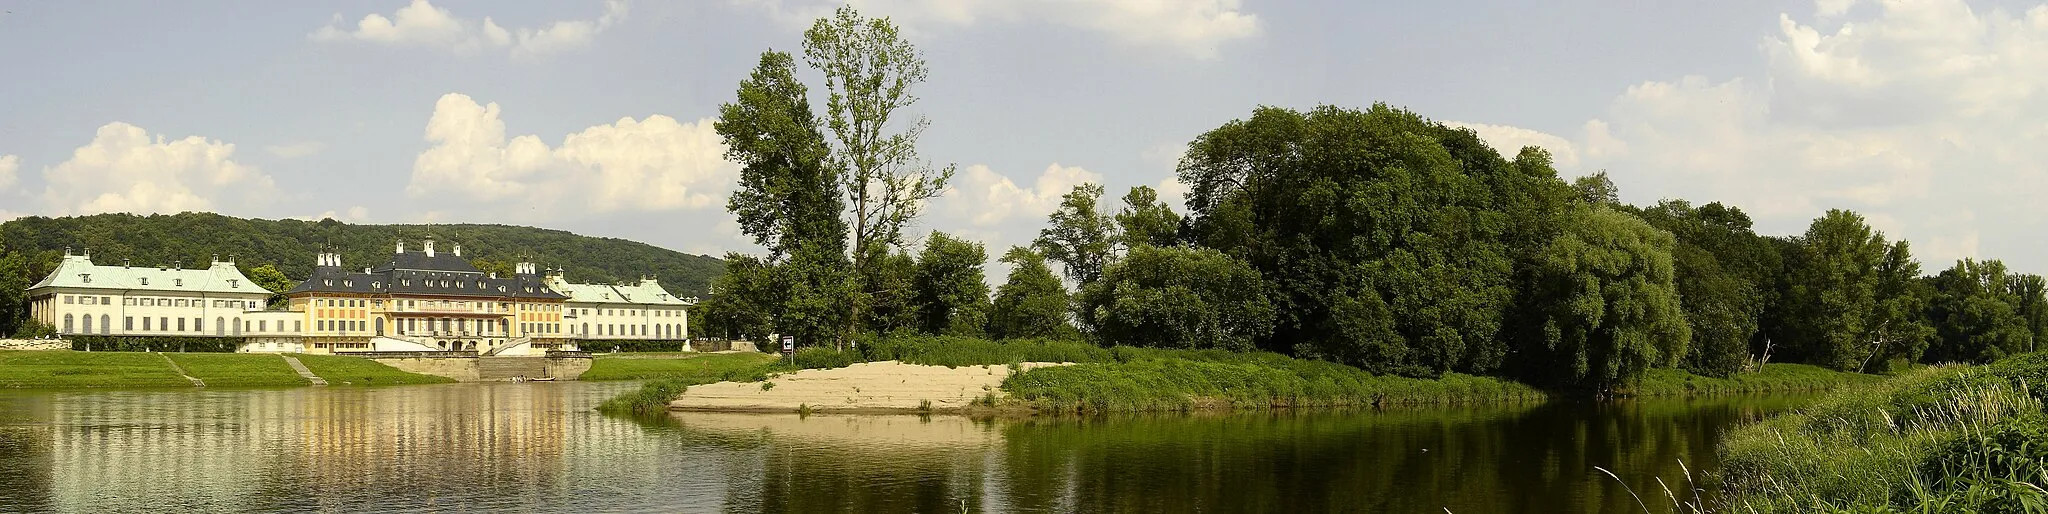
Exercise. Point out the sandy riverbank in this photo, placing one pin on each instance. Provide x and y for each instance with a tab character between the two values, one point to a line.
873	387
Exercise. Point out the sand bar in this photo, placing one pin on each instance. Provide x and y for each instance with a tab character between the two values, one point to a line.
874	387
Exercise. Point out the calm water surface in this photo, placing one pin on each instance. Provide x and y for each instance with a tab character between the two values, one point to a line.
538	447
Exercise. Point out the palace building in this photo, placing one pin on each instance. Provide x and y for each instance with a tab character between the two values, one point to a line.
80	297
418	301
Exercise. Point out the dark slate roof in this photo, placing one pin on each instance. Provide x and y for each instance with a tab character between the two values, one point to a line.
442	261
413	273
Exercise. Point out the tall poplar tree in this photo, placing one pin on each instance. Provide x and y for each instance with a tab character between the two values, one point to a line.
869	72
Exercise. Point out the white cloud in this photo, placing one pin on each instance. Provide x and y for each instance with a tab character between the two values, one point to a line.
124	170
9	165
420	23
1196	27
648	165
296	150
1174	193
1925	116
1509	141
984	198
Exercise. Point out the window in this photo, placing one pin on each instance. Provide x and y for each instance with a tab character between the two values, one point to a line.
163	323
67	321
298	326
106	324
181	324
145	324
198	324
106	300
68	300
87	278
178	282
128	323
327	281
145	280
375	284
234	284
128	301
263	325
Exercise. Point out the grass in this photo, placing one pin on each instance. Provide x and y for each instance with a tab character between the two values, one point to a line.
1771	378
344	370
1250	381
686	367
650	398
1938	439
60	368
238	369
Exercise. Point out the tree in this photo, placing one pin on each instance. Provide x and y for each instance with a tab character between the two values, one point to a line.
1147	221
869	71
952	294
1900	330
1725	276
1609	305
1178	298
14	283
740	303
1032	303
1597	189
1977	314
1831	307
788	193
892	290
268	277
1078	236
1391	242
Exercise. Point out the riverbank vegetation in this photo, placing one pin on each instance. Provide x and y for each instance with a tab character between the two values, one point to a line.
1937	439
693	368
238	369
70	369
1373	238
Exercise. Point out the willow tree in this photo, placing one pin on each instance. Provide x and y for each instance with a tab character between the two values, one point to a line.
1604	291
869	71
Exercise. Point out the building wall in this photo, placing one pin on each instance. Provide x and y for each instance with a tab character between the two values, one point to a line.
145	312
626	321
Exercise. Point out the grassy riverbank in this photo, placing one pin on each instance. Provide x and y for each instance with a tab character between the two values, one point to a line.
1939	439
69	369
1127	379
688	367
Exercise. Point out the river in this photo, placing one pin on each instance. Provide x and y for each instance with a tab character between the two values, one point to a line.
539	447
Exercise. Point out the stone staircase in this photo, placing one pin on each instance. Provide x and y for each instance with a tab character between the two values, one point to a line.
508	368
514	343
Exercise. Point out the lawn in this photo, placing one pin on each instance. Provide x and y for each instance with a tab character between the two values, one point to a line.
696	368
63	368
344	370
238	369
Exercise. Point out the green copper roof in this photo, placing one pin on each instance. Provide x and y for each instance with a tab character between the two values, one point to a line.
78	271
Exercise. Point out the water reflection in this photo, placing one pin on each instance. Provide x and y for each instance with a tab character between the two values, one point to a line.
538	447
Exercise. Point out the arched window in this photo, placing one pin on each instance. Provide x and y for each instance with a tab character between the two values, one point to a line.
220	326
380	326
586	330
238	325
67	323
106	324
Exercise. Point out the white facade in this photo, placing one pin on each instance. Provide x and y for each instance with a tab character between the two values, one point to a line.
642	311
83	298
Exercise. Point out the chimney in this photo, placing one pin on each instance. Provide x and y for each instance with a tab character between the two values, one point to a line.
458	249
179	264
215	259
88	253
430	247
401	246
124	263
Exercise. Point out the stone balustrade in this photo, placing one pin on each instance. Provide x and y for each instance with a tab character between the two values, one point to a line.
34	344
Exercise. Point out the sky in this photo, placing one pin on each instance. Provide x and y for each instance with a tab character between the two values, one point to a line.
1929	117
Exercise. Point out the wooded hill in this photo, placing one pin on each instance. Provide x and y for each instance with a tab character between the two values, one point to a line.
192	238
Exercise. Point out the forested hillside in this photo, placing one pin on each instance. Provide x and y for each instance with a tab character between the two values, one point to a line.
30	246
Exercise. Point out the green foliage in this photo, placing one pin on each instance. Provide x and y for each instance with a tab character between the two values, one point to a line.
14	282
342	370
179	344
1936	439
1078	235
743	301
869	71
1032	303
1726	276
1976	311
630	345
789	195
1180	381
702	368
891	285
967	351
1609	308
269	277
952	294
1769	378
650	398
1178	298
1146	221
289	245
1597	189
1833	314
1391	241
238	369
